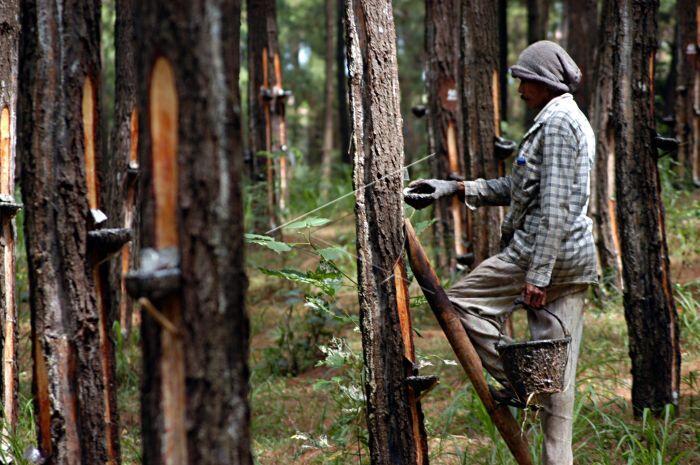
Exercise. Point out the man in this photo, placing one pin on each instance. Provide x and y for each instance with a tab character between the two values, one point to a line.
548	254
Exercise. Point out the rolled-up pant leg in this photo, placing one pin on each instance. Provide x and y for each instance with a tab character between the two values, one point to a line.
482	299
558	409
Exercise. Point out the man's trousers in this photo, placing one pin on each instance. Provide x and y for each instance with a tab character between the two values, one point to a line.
484	298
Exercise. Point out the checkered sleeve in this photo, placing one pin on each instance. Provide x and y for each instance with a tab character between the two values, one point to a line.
557	171
487	193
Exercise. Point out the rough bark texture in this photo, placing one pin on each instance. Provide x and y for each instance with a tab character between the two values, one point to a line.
266	115
59	60
394	436
444	120
602	203
648	297
580	29
194	398
340	68
537	19
503	55
688	90
121	192
9	48
480	110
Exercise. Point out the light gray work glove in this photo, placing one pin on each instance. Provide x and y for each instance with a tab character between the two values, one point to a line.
423	192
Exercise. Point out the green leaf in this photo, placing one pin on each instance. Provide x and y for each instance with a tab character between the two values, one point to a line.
267	241
311	222
332	253
324	280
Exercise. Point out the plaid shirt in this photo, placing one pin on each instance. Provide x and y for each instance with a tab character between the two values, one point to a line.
546	230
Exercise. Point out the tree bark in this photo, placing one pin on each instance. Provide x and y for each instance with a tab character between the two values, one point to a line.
327	150
340	68
444	121
580	27
195	333
266	105
394	418
480	110
537	19
602	200
503	56
58	137
688	91
123	162
9	49
648	296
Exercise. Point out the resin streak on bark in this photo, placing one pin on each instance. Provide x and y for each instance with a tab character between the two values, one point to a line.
106	346
164	116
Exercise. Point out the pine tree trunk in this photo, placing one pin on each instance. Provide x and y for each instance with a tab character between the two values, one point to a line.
580	28
122	189
195	331
503	56
58	136
480	110
688	91
327	157
340	68
9	49
444	120
648	296
394	417
537	19
267	105
602	202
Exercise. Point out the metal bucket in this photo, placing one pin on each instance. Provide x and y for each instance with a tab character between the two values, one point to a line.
535	367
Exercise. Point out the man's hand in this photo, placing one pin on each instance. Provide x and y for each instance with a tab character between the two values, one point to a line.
534	297
421	193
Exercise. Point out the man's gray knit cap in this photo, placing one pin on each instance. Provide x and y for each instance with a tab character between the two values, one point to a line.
548	63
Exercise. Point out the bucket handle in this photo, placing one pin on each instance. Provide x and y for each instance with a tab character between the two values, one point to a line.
519	302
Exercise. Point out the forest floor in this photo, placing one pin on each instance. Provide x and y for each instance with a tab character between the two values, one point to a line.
306	377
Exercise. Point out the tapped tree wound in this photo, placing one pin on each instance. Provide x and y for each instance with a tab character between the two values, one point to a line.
88	106
163	122
5	155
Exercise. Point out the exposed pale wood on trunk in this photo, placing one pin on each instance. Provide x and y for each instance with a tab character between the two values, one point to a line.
163	107
378	151
650	309
463	348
